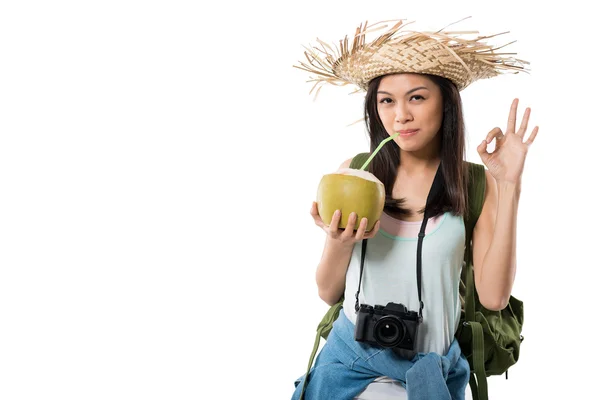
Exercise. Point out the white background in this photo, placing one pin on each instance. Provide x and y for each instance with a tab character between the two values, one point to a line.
158	161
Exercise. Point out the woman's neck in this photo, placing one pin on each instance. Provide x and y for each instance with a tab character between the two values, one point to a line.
423	160
412	163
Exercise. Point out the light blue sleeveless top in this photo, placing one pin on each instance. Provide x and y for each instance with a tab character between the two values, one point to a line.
390	275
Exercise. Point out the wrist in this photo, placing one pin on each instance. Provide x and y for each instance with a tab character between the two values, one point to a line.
509	189
337	246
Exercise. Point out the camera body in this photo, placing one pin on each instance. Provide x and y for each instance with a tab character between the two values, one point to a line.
392	326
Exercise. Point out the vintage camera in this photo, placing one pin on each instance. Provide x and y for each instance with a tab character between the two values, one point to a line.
390	326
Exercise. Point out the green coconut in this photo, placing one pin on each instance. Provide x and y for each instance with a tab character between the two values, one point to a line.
351	190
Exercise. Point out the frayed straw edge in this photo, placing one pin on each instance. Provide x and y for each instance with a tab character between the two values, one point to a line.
325	67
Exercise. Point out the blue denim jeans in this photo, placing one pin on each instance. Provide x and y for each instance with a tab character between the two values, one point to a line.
345	367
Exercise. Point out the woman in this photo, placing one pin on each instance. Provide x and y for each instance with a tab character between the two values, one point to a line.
425	108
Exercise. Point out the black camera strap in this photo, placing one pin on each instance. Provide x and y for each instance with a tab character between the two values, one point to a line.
362	265
435	191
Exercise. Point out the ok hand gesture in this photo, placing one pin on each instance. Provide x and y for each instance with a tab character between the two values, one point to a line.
507	161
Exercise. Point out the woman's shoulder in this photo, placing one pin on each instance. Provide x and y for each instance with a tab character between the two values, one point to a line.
360	159
471	164
346	163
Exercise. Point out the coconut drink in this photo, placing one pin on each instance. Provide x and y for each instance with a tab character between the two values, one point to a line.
352	190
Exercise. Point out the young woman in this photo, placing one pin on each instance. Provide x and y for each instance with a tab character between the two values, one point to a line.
425	108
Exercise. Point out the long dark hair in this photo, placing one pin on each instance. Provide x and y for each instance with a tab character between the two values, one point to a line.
452	154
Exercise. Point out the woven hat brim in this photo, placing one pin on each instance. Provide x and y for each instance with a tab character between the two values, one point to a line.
450	54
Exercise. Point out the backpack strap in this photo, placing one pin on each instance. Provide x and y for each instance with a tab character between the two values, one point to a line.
476	196
476	193
359	160
322	331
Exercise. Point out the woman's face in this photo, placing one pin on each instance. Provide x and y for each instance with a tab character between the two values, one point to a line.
412	105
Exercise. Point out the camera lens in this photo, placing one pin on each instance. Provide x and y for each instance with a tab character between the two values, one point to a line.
389	331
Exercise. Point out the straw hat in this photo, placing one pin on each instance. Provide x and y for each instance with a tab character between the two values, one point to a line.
451	55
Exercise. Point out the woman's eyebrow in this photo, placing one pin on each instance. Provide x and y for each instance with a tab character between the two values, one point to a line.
409	92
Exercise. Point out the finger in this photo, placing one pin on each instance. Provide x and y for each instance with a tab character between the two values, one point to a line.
349	231
512	117
314	212
373	231
335	222
494	133
482	150
524	122
529	141
362	228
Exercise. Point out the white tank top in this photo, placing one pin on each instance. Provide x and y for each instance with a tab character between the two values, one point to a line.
390	275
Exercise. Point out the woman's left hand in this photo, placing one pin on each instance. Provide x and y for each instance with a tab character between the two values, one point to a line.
507	160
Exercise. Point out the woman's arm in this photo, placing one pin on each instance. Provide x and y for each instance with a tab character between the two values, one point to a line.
495	234
495	243
331	271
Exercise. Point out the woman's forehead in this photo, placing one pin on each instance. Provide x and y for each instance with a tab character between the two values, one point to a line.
405	81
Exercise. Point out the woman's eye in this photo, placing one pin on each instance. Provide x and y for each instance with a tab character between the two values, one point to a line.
385	100
417	97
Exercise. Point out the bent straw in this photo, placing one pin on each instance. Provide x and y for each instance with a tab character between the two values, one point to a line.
384	141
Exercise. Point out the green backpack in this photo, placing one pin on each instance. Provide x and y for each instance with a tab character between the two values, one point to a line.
490	340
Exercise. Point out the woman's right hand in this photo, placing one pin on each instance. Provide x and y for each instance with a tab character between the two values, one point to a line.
345	236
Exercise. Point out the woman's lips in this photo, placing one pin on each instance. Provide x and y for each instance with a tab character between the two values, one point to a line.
408	132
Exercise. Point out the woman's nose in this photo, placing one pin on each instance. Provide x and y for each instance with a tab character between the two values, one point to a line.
403	115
